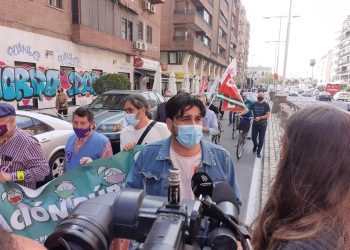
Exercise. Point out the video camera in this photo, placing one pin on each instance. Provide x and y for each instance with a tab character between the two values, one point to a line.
155	222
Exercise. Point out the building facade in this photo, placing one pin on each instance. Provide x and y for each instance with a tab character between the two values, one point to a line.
70	43
243	45
343	68
198	38
324	68
259	75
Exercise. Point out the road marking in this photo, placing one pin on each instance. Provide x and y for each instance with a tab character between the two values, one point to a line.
253	205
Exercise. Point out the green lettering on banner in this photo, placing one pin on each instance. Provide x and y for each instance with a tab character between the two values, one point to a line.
35	213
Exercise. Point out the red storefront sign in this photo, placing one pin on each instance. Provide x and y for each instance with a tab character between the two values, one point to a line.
138	62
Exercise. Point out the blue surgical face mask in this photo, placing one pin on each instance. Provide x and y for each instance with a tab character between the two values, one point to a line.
131	119
189	135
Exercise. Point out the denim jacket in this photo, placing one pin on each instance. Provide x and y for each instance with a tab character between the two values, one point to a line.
150	171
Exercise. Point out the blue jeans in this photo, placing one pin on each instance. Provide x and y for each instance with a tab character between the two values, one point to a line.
258	130
231	117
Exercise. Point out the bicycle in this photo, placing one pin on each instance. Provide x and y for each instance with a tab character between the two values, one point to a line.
243	129
235	125
216	138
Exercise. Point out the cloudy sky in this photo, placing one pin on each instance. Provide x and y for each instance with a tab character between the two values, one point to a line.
311	35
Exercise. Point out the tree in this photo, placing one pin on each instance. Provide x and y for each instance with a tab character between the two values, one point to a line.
109	82
312	64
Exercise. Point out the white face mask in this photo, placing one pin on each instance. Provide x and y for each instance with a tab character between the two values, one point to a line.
166	99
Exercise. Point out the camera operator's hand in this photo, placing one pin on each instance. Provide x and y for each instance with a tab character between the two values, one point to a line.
119	244
4	177
129	146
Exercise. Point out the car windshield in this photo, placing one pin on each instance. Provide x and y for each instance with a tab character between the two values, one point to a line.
114	102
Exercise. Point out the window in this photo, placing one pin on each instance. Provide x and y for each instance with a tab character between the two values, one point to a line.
149	34
140	30
223	18
126	29
206	16
56	3
172	58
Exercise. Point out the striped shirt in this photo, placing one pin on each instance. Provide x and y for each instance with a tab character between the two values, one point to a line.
22	152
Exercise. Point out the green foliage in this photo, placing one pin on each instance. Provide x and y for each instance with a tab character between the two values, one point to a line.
109	82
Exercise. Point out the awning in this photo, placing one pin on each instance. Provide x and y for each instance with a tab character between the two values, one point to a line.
144	72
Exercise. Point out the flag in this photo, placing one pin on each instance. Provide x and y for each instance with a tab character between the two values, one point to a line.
231	69
228	92
212	89
204	84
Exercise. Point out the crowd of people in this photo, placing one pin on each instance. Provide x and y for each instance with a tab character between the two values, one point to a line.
308	203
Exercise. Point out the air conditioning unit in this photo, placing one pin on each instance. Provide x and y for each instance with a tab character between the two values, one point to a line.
137	45
144	46
153	9
146	5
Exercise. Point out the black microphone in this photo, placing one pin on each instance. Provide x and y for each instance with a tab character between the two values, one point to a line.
226	199
202	185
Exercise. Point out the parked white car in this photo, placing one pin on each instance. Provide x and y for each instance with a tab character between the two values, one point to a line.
51	132
342	96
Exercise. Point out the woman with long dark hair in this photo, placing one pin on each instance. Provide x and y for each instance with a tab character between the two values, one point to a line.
309	202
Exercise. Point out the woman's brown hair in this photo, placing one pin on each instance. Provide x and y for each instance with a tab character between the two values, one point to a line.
310	197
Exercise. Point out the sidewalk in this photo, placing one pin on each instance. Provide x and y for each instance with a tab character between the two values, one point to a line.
272	149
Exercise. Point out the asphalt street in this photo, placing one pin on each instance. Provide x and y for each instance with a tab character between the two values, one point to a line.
244	167
303	102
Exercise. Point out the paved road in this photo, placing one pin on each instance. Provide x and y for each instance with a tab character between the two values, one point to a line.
303	102
244	166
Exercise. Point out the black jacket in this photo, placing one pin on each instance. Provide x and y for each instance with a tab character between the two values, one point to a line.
161	115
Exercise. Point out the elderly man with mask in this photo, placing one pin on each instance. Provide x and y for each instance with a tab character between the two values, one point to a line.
85	145
184	150
21	157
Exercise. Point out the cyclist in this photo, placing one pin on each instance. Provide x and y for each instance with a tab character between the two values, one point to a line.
244	123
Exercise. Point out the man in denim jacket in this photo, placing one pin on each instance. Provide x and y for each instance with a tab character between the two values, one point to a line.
183	150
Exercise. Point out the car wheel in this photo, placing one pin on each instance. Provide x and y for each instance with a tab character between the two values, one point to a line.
57	164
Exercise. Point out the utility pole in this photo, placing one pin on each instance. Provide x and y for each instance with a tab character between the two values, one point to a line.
286	50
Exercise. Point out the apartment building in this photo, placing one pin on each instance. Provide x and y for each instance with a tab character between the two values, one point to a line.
48	44
243	45
198	38
343	68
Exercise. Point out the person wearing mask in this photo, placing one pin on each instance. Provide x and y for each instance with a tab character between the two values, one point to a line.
21	157
62	102
160	116
85	145
184	150
308	207
261	113
141	129
210	121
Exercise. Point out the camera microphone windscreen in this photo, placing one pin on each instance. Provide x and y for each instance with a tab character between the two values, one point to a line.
202	184
223	192
225	197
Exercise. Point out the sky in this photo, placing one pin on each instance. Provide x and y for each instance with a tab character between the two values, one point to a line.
312	34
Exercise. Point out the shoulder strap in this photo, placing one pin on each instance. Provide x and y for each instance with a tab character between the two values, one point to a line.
146	132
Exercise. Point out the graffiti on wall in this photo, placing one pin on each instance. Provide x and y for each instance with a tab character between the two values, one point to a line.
17	83
19	48
68	59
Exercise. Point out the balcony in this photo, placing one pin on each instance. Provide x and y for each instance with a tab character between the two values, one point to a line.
223	41
88	36
189	43
156	1
192	19
207	4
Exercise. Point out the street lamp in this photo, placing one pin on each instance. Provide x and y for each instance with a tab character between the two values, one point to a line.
279	40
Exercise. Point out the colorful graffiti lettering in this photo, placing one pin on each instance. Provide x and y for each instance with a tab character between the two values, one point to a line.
67	59
19	83
20	48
